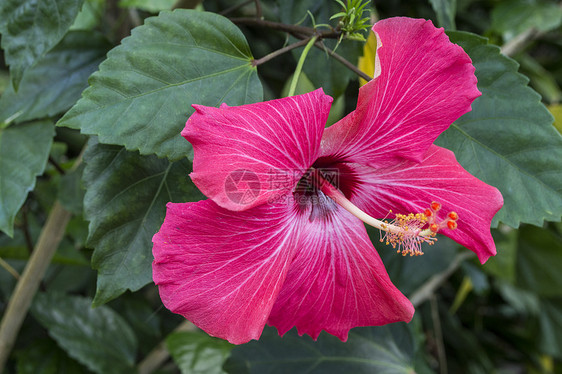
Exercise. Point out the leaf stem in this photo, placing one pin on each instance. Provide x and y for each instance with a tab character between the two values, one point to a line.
300	65
279	52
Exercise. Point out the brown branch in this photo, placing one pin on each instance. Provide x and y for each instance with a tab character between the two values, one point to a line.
235	7
57	166
295	30
304	33
280	52
186	4
258	9
343	61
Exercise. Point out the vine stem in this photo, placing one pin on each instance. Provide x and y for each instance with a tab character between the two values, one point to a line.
300	65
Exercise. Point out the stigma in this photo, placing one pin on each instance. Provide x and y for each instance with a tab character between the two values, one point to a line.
406	232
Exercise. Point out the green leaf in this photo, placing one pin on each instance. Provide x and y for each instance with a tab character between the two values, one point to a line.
30	28
24	150
338	15
541	79
125	203
539	260
89	16
385	349
71	193
551	325
524	302
153	6
197	352
503	265
515	16
556	111
508	140
64	276
56	81
45	357
142	94
98	338
445	10
466	353
142	318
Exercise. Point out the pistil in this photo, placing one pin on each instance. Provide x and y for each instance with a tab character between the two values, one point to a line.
405	233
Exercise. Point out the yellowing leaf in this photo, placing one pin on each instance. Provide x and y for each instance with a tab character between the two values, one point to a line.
367	62
556	111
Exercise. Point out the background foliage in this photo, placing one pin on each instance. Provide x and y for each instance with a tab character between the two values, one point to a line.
94	94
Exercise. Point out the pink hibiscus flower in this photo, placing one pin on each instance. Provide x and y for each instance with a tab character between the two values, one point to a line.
281	239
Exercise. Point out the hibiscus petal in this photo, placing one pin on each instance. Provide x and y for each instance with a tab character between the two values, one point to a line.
409	187
247	155
422	84
337	281
220	269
